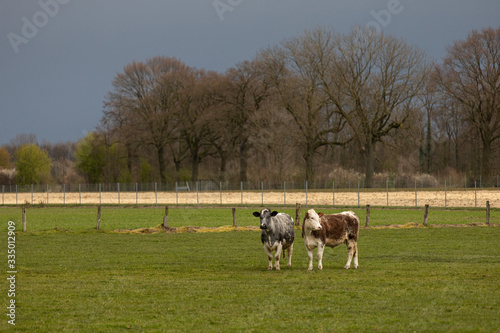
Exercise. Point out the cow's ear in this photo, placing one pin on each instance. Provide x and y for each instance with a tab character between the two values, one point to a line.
320	214
256	214
274	213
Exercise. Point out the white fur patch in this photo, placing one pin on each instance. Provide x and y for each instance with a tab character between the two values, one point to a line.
349	213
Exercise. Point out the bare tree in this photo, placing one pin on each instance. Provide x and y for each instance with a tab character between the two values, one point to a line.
373	81
144	102
470	74
244	91
194	116
292	69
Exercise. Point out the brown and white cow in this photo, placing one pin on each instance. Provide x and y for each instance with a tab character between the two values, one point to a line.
319	230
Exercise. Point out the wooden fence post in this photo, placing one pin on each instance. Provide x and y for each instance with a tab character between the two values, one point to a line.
234	217
487	212
98	217
426	214
297	213
367	216
165	218
24	218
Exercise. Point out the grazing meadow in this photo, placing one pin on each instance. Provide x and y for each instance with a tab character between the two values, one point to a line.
71	277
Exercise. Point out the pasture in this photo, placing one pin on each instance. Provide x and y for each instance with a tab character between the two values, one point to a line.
73	278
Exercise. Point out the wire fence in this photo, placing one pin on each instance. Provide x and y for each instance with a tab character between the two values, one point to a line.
347	182
391	194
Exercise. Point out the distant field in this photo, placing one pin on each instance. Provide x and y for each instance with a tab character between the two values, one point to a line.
431	279
395	198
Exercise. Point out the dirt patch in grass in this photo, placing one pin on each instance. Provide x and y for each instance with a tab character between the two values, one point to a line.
227	228
186	229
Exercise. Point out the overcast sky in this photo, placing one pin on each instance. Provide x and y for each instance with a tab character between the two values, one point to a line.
59	57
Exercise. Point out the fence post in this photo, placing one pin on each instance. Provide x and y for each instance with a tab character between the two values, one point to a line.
415	193
262	194
118	187
426	214
165	218
475	194
64	198
367	224
98	217
241	188
284	194
156	194
80	192
387	191
176	195
333	187
445	203
234	217
24	218
136	194
197	195
31	194
297	213
487	212
307	193
220	191
47	194
358	193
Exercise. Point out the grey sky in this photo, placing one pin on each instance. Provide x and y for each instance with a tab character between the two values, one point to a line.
53	78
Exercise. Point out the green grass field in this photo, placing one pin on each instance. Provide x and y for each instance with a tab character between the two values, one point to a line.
74	278
83	218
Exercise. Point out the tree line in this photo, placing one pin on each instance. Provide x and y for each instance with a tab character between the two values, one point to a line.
317	102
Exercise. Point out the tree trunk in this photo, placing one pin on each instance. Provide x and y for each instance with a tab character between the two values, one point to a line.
195	163
428	147
308	157
222	171
243	160
485	160
369	163
161	163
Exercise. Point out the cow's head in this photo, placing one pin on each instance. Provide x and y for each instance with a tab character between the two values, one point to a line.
311	220
265	217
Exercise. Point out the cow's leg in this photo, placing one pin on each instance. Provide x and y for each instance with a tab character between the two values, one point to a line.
279	248
269	257
290	251
356	255
321	248
310	255
351	252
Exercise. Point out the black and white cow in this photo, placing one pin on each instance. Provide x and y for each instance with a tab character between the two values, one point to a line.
277	235
319	230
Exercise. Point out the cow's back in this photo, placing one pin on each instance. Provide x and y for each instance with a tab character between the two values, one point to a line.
339	227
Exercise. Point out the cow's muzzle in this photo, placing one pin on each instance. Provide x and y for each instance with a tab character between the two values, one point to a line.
263	226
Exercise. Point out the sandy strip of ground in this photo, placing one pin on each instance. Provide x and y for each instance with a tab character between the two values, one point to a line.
454	198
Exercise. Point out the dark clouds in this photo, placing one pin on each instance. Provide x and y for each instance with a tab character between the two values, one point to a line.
54	85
